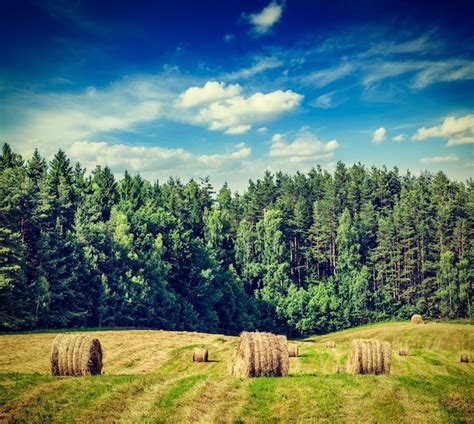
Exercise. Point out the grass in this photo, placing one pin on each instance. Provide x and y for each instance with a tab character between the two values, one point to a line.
149	376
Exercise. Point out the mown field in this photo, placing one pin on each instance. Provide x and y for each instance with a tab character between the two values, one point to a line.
148	376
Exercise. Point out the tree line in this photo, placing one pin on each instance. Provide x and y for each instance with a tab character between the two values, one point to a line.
300	254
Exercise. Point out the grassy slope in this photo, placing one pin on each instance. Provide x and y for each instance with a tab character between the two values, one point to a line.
148	376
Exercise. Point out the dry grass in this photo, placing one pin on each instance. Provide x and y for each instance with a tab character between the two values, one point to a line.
261	355
200	355
464	357
154	380
370	357
29	353
416	319
330	344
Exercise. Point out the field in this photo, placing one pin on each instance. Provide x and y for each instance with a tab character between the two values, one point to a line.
148	376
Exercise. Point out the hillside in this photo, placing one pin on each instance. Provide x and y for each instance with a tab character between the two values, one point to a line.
148	375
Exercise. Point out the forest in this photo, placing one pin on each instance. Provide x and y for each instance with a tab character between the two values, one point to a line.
299	254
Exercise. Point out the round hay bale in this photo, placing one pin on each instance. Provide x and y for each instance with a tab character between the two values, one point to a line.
76	355
369	357
416	319
464	357
261	355
403	351
293	351
331	344
200	355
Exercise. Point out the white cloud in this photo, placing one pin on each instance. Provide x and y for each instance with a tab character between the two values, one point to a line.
457	141
261	64
425	72
421	44
324	101
457	130
375	72
121	156
54	120
277	137
262	130
240	129
263	21
152	159
439	159
238	111
211	91
242	153
399	137
306	147
444	71
327	76
379	135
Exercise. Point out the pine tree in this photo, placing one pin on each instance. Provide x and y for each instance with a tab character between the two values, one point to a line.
352	277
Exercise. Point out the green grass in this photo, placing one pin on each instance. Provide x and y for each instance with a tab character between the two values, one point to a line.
457	321
149	377
169	401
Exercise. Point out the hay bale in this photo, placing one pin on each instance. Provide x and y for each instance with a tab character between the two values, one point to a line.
403	351
293	351
261	355
464	357
416	319
200	355
369	357
76	355
331	344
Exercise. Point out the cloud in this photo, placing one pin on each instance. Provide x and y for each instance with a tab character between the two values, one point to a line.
443	71
439	159
239	110
305	147
121	156
262	130
425	72
323	102
51	120
457	130
240	129
460	140
379	135
149	159
242	153
261	64
211	91
277	137
421	44
229	37
327	76
399	137
269	16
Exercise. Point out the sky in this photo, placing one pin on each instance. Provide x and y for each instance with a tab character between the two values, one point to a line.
229	89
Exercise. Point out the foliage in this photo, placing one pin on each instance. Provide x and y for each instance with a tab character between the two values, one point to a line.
297	254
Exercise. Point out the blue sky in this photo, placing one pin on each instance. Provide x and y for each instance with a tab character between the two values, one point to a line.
229	89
